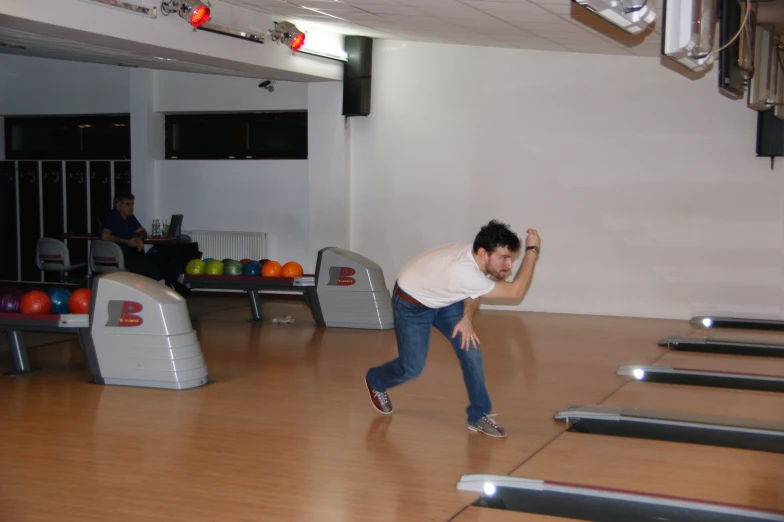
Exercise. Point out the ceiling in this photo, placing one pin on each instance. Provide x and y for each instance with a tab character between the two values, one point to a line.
548	25
30	44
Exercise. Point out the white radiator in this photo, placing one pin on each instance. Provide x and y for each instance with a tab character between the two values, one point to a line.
222	244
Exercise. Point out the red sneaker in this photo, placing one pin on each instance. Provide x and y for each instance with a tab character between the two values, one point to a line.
379	399
487	426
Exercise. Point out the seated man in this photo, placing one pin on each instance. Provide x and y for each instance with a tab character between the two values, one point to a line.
121	226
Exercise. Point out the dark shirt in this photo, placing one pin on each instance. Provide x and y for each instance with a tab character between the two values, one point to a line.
119	227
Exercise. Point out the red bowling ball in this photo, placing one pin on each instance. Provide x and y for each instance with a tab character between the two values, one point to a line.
79	303
35	302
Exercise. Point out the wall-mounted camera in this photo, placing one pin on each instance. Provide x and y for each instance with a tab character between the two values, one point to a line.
267	84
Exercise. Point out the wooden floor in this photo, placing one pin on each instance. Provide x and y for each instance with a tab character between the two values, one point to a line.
286	431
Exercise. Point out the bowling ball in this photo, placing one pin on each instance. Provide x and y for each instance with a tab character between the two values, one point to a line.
232	268
214	267
79	303
59	298
251	268
9	300
291	269
244	261
271	269
195	267
224	261
35	302
207	260
262	261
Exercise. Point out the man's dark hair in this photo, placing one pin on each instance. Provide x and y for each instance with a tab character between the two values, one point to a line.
119	198
496	234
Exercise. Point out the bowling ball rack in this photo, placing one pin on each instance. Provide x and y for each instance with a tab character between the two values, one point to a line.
347	291
253	284
14	324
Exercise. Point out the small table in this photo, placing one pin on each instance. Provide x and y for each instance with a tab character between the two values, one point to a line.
147	241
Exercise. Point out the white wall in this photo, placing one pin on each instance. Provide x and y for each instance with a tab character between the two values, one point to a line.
189	92
147	144
36	86
235	195
643	185
255	196
328	149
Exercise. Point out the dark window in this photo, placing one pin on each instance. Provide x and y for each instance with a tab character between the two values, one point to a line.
68	137
261	135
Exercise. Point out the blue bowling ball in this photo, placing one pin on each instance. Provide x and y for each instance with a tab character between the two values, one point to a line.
59	298
251	268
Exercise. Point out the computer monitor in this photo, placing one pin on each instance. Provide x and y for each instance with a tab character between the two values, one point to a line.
175	226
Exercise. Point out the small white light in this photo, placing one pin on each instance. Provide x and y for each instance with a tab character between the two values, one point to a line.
707	322
638	373
489	489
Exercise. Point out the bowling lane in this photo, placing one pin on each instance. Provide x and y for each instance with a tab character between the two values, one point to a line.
706	473
477	514
733	334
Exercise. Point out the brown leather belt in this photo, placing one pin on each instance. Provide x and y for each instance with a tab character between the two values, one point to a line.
405	297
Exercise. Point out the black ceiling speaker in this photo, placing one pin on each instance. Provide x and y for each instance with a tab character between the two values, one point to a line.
356	75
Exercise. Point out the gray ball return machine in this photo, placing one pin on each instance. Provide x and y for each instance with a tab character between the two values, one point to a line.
586	502
138	333
671	426
746	323
713	345
347	291
734	346
700	377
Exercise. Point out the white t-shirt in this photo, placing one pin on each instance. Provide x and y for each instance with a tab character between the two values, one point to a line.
445	276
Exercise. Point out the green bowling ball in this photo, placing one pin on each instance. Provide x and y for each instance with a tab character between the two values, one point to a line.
195	267
232	268
214	267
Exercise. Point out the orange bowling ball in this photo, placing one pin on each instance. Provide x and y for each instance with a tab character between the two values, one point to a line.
79	303
271	269
35	302
291	269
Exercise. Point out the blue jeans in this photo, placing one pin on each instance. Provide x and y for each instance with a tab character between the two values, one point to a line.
412	329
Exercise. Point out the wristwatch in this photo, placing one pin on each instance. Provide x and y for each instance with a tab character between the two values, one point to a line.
534	248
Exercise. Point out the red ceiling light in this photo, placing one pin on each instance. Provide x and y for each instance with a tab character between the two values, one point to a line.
297	42
194	11
288	33
199	16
